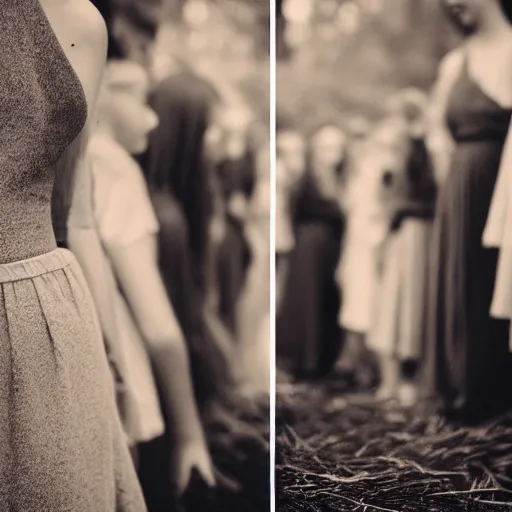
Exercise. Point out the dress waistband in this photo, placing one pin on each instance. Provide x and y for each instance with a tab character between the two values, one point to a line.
36	266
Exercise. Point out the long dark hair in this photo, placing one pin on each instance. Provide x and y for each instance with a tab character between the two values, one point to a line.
108	9
506	5
175	162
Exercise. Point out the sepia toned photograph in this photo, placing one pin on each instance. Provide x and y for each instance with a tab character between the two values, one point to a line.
392	253
135	256
256	256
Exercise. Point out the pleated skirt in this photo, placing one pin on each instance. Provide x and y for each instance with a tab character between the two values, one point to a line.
398	323
62	448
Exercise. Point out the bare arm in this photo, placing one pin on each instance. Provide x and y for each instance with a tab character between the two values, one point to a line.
137	271
439	141
88	55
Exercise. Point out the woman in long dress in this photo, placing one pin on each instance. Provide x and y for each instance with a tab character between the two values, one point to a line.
357	270
398	324
62	444
308	334
467	359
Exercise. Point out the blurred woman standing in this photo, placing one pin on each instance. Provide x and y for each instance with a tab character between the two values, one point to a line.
465	346
307	328
235	173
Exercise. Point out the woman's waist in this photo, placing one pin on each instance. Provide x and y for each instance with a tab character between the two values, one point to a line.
25	238
37	265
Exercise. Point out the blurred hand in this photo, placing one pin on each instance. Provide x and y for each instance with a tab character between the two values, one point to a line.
127	412
190	456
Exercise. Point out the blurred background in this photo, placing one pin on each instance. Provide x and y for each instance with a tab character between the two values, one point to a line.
337	57
228	40
220	46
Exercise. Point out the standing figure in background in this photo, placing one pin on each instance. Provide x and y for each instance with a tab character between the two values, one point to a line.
291	165
254	306
181	188
235	173
465	346
398	326
124	90
357	272
128	228
307	328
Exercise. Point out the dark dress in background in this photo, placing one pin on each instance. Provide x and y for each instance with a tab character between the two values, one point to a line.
467	357
179	180
308	334
179	184
233	255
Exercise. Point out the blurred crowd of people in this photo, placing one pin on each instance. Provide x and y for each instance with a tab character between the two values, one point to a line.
391	235
168	218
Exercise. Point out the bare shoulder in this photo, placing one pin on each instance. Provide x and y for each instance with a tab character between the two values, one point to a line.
87	23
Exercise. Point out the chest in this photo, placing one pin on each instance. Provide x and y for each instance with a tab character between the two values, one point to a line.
42	105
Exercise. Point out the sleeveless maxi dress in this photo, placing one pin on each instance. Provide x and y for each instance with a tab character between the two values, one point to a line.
466	353
62	448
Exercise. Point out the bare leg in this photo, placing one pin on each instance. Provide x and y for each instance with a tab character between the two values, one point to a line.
408	390
347	362
390	377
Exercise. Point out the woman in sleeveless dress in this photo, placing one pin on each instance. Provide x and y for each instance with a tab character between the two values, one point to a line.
62	446
466	360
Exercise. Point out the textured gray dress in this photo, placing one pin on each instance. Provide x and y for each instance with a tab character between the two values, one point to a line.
61	444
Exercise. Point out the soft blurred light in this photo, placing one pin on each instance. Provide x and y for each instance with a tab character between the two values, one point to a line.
297	34
197	41
349	17
328	32
328	8
196	12
297	11
373	6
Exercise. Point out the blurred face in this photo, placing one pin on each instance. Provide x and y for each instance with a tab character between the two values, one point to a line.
464	14
292	154
328	148
132	119
234	125
388	149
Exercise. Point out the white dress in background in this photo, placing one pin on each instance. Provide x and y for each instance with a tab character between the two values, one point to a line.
367	227
498	233
123	213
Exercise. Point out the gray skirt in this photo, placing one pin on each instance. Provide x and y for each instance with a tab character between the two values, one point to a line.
62	448
401	295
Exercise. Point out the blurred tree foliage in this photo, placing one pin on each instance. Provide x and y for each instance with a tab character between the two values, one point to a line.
233	41
336	73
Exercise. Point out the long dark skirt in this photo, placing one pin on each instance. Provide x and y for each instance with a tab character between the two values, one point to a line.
466	357
308	334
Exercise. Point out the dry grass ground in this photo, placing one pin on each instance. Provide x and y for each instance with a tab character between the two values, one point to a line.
342	452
